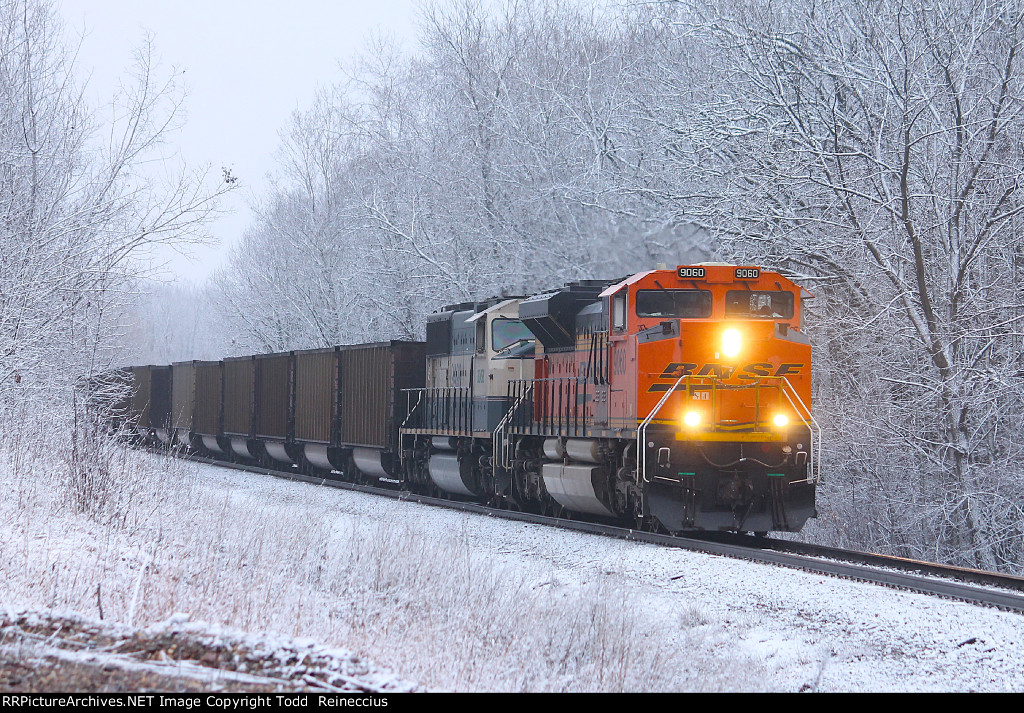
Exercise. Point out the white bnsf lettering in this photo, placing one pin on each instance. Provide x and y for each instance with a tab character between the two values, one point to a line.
747	273
688	273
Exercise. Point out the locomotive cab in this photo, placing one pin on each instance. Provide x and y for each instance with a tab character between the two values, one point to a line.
504	353
473	351
713	358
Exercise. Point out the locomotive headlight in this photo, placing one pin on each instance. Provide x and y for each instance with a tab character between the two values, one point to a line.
691	418
732	340
780	420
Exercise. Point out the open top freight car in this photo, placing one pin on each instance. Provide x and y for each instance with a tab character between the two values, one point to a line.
349	402
151	401
325	409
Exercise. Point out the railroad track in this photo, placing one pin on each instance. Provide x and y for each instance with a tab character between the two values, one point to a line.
968	585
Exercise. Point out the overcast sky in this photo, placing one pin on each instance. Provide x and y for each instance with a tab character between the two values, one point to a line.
247	66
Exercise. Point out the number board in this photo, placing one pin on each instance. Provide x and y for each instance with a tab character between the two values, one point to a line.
689	273
747	273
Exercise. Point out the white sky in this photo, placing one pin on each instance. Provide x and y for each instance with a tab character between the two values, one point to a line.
247	66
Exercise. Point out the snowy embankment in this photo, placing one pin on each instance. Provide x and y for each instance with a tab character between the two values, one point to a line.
51	651
466	602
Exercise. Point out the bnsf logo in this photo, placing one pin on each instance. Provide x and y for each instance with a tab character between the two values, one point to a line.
747	372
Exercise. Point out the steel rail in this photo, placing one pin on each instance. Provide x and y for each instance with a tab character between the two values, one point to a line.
968	585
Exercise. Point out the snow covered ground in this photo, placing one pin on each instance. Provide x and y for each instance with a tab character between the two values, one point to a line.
467	602
52	651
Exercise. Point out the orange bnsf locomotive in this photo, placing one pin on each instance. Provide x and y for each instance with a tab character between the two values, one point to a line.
673	400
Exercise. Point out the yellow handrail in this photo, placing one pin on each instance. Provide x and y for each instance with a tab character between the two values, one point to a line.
785	389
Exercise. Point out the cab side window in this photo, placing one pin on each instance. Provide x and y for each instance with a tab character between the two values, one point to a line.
619	311
481	335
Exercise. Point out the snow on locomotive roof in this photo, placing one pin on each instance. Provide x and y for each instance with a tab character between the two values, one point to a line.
612	289
493	308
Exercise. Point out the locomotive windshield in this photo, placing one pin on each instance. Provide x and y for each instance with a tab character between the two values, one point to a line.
506	332
759	305
689	304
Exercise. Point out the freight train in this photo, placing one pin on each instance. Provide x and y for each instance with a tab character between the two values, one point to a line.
673	400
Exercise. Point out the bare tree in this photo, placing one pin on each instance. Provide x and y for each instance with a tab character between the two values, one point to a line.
79	210
489	163
874	149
